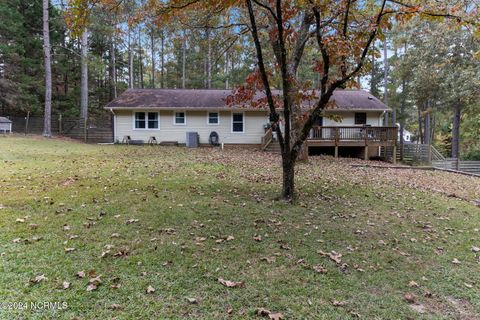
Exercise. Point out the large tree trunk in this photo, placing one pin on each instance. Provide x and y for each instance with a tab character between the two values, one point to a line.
84	79
288	185
47	127
152	53
456	129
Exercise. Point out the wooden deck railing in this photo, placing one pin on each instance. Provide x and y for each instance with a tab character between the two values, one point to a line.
267	138
354	133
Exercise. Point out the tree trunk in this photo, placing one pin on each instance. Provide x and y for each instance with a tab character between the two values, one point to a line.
184	58
456	130
140	59
420	126
84	78
226	70
209	60
162	59
112	70
427	129
402	118
152	52
385	79
130	60
47	120
372	75
288	186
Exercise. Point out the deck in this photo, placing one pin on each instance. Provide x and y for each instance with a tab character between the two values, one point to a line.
353	136
367	137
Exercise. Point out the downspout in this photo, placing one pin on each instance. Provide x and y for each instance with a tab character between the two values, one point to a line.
114	123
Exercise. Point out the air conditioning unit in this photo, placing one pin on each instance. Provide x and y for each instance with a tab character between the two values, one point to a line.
192	140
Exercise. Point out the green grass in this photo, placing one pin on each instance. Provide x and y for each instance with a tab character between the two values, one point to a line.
391	227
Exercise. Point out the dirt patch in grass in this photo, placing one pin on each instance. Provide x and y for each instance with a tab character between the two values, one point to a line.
451	307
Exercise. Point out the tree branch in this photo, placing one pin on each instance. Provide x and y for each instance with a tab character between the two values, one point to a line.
263	72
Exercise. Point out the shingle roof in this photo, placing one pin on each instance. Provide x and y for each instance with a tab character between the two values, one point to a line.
5	120
215	99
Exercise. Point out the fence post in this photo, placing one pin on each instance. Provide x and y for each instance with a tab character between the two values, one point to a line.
457	163
26	122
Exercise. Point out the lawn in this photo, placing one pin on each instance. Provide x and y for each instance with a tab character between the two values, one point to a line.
132	232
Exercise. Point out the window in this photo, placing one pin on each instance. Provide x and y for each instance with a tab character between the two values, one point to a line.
237	122
360	118
213	118
144	120
179	118
139	120
152	120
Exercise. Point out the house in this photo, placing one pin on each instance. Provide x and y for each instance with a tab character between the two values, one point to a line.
169	114
407	135
5	125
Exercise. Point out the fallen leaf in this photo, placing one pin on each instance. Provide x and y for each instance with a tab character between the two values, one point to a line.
130	221
475	249
93	283
20	220
275	316
230	238
410	298
68	250
319	269
150	289
33	226
413	284
115	306
65	285
337	303
334	256
456	261
66	227
80	274
257	238
39	278
192	300
231	284
16	240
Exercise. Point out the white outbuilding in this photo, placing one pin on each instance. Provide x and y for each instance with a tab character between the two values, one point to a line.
5	125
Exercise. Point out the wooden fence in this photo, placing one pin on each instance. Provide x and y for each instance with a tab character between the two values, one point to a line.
413	153
90	131
458	165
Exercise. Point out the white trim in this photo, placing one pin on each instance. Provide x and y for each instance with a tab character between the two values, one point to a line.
208	118
175	117
231	121
146	121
